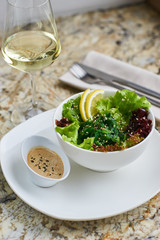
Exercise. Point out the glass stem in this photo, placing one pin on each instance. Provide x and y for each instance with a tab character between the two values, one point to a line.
33	90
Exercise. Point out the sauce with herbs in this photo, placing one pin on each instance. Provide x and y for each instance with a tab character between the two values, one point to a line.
45	162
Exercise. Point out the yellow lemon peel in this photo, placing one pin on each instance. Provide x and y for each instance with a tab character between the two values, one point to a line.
91	101
83	103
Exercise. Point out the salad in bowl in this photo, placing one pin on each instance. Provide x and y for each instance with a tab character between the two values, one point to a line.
107	125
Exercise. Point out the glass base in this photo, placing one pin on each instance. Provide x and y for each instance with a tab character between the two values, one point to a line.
23	112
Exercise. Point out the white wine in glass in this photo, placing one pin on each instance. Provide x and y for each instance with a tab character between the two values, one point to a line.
30	43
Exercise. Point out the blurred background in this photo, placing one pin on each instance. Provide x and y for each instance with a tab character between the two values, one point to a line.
70	7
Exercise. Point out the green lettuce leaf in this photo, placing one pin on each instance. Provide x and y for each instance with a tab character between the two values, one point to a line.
69	133
127	101
87	143
122	104
104	105
71	110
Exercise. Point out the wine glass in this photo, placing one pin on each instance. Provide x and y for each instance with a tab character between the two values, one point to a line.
30	43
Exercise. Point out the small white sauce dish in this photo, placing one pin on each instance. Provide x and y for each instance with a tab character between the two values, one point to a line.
36	141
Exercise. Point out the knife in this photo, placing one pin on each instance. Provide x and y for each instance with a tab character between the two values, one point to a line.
120	83
110	79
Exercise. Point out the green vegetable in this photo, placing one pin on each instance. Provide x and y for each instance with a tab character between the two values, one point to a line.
87	143
70	132
71	110
124	102
108	126
103	128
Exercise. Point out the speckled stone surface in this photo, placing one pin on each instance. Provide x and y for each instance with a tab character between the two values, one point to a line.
131	34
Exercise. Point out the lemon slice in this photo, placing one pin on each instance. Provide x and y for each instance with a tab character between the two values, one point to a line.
91	101
83	103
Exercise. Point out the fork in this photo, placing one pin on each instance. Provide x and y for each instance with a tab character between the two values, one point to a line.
113	81
80	73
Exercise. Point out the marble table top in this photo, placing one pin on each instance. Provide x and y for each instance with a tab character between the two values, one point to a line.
131	34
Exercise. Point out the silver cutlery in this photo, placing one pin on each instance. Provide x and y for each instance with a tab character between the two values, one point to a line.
94	76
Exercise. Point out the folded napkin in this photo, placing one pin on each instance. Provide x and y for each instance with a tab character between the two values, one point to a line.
117	68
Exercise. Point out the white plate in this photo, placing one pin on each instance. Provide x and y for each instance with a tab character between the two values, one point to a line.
85	194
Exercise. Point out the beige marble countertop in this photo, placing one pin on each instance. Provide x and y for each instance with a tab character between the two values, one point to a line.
131	34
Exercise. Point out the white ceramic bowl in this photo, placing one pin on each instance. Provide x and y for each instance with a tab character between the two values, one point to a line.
102	161
37	179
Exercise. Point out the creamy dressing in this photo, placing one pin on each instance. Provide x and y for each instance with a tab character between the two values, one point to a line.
45	162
